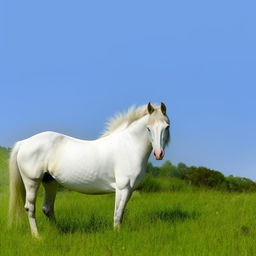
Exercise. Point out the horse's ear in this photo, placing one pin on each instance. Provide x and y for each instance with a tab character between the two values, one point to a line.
150	108
163	108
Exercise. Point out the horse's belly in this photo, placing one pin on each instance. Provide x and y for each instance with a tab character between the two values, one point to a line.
96	188
89	182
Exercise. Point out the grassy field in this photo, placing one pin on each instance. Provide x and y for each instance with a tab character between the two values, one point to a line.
191	222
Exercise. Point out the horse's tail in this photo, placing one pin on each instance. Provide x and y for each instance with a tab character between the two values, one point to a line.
16	188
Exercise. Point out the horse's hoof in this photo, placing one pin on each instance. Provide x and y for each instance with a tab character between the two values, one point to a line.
117	227
35	235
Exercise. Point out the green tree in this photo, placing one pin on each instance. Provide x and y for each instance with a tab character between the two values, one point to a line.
182	169
168	170
154	170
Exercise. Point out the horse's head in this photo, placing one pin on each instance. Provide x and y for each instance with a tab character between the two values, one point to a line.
158	129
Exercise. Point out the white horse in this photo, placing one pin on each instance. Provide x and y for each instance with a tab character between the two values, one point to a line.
116	162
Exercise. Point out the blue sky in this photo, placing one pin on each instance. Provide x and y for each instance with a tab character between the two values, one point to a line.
69	65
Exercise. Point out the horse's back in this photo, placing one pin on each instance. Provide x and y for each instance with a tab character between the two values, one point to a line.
40	142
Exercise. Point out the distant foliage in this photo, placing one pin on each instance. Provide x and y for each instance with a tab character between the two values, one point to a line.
161	184
169	177
154	170
240	184
168	170
150	184
202	176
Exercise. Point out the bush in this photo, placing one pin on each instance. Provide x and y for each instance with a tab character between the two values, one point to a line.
157	184
201	176
168	170
150	184
181	169
169	177
240	184
154	170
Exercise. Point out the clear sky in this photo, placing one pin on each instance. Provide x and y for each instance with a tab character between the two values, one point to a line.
69	65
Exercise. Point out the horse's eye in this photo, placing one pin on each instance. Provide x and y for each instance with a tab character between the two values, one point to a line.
148	129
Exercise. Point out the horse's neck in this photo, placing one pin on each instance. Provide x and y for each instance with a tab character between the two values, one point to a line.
139	132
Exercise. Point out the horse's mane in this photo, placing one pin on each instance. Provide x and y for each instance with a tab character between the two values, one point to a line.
125	119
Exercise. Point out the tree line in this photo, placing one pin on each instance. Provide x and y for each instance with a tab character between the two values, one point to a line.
199	177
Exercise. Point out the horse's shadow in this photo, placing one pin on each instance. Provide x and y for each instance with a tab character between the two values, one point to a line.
96	223
172	215
93	224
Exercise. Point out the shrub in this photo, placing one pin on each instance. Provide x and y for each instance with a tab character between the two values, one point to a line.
168	170
154	170
240	184
201	176
150	184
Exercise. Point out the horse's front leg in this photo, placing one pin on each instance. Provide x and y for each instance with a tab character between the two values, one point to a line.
122	197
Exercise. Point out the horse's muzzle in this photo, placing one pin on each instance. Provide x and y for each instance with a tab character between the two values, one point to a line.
159	154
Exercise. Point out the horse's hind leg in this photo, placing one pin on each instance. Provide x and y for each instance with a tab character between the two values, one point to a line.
31	187
50	188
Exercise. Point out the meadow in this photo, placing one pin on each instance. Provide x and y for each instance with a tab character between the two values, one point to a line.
185	221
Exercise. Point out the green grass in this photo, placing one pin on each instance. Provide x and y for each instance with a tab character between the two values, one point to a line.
4	152
177	222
